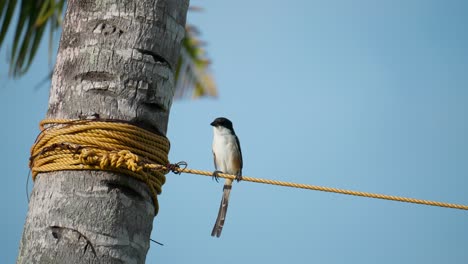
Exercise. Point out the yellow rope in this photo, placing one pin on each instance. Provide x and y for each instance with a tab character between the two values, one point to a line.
96	145
326	189
121	147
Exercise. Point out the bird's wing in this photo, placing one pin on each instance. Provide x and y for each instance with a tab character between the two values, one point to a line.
240	154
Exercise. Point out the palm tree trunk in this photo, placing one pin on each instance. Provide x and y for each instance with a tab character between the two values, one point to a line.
115	59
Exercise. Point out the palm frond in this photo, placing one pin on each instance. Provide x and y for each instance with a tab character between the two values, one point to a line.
7	8
193	78
33	16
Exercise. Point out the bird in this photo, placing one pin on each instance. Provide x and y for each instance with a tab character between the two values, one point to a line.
227	156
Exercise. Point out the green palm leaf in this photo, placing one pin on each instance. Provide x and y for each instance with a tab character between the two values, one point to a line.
7	8
193	78
33	16
192	73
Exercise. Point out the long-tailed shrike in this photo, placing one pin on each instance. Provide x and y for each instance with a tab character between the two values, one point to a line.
227	159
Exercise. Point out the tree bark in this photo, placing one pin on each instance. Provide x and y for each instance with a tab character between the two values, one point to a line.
115	59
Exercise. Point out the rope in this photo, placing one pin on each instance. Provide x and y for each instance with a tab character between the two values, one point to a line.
326	189
115	146
125	148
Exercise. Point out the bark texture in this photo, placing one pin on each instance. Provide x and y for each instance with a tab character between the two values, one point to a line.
115	59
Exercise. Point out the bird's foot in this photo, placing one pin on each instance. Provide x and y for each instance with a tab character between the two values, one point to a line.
216	175
239	178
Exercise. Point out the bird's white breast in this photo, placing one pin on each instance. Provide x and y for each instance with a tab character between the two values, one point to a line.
225	149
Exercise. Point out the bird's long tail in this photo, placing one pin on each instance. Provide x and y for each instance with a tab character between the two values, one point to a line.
218	227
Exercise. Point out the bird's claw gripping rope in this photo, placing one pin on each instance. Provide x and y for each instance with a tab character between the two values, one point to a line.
216	175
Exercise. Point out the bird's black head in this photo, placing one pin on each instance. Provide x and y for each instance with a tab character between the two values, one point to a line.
222	122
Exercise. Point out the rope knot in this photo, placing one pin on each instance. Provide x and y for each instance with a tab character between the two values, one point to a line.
101	145
175	168
88	157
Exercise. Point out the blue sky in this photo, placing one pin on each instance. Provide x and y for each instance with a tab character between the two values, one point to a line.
362	95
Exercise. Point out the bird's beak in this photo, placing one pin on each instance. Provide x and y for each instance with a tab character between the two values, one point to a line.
213	123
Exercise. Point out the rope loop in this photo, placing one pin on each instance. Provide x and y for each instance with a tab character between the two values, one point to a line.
98	144
177	168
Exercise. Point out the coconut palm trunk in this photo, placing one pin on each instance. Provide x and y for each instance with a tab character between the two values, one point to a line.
115	59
